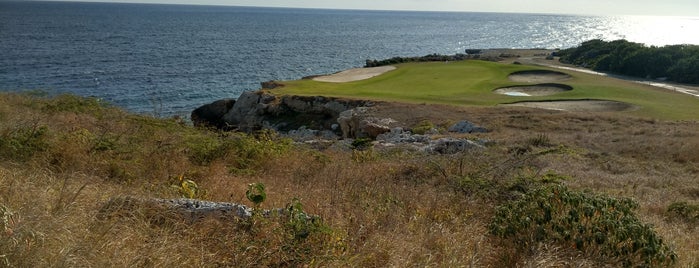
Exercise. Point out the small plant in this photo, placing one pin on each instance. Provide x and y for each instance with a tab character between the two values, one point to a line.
300	224
188	188
541	140
256	193
586	222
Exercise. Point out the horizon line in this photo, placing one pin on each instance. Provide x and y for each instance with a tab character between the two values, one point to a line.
352	9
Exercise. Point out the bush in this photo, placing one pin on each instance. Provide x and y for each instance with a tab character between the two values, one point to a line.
589	223
423	127
679	63
23	142
684	211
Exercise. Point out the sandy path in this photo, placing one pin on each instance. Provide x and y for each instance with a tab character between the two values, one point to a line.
354	74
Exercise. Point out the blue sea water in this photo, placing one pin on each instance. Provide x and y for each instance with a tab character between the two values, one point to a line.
169	59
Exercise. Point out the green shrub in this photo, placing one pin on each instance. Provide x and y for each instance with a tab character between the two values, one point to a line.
202	149
423	127
252	151
684	211
590	223
23	142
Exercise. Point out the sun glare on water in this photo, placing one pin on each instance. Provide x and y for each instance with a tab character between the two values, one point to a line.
657	31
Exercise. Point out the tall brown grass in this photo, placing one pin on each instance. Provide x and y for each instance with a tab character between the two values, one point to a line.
394	208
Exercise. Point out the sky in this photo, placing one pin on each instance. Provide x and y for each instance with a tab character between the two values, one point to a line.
688	8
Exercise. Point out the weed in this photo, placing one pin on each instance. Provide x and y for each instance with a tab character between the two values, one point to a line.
541	140
188	188
361	156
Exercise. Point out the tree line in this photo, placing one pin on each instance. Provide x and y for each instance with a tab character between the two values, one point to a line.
678	63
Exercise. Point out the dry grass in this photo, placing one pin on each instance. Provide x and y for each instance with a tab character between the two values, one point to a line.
396	209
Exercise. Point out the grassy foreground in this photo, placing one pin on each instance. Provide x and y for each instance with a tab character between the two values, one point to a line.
470	83
61	159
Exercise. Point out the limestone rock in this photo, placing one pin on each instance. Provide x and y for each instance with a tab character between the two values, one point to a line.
256	110
191	210
452	145
466	127
398	135
250	110
359	123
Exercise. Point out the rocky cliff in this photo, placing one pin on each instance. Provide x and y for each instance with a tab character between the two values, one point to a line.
255	110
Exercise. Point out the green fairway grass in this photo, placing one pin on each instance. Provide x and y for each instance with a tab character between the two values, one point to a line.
471	83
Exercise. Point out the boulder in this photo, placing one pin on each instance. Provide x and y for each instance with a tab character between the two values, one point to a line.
398	135
358	123
466	127
212	114
452	145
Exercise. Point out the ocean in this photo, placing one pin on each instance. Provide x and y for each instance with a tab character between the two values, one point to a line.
166	60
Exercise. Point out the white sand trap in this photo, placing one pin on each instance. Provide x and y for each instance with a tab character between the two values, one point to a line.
576	105
533	90
538	76
354	74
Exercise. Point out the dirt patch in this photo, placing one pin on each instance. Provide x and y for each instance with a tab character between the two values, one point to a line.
533	90
354	74
576	105
538	76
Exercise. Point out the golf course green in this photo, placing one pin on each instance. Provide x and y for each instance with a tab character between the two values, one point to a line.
473	82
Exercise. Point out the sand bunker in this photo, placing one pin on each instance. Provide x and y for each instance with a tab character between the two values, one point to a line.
577	105
354	74
533	90
538	76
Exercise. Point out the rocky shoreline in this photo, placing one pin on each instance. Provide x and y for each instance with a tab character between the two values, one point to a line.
318	119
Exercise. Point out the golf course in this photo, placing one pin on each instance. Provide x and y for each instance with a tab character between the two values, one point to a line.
484	83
